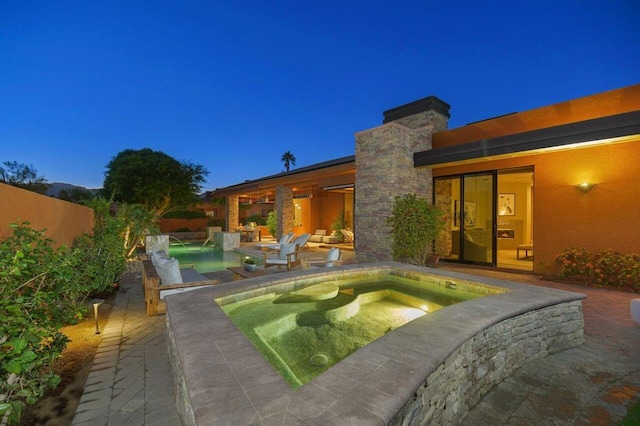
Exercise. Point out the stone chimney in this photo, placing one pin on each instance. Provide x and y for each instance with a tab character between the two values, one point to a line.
385	169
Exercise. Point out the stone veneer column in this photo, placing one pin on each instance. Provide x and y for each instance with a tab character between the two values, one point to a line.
385	169
232	212
284	210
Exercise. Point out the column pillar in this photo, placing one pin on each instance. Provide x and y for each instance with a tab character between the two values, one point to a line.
284	210
232	212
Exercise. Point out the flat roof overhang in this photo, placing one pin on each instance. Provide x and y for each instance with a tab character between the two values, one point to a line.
340	171
615	128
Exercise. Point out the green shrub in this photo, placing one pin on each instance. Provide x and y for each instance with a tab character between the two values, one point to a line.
272	223
38	285
43	289
607	268
415	224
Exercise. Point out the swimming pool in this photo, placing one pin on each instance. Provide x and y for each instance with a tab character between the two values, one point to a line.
303	333
204	258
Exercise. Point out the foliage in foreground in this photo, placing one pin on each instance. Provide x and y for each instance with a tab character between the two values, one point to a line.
43	289
633	416
415	224
607	268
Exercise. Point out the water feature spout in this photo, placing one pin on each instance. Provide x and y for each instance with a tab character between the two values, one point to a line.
183	245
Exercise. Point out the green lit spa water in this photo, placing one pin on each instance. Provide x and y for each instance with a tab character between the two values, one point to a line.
204	259
304	333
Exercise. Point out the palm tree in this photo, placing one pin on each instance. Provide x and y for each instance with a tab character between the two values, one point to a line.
288	159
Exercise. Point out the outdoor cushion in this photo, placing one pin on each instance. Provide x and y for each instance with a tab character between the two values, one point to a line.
285	249
169	271
318	236
332	256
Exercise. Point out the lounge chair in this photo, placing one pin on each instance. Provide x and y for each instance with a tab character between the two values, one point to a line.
285	239
287	256
318	236
301	240
333	258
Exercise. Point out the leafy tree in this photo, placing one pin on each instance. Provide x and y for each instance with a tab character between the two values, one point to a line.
288	159
153	179
23	176
415	224
76	195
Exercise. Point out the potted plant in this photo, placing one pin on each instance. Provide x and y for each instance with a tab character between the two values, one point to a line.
249	264
338	225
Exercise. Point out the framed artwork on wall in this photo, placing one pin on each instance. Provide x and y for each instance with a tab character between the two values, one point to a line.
469	214
507	204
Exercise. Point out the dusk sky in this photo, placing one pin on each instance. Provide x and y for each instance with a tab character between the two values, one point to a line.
233	85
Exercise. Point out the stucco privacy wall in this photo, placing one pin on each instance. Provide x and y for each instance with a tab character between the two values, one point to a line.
63	221
385	169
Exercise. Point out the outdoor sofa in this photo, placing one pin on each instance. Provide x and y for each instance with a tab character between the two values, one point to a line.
161	279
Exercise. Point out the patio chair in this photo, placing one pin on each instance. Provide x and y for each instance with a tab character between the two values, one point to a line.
284	239
287	256
333	258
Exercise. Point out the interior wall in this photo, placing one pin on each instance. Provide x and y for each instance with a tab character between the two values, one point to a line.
520	221
326	207
63	221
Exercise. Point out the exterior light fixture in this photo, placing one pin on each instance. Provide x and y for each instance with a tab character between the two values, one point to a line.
585	186
96	304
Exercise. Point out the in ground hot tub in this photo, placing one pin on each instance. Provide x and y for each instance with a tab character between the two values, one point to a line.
433	368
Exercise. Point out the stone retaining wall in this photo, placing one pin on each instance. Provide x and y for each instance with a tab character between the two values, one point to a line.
489	357
432	370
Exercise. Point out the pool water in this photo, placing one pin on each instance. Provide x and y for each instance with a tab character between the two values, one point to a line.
204	258
303	333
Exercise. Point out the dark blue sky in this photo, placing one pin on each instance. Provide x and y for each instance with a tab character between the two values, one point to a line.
233	85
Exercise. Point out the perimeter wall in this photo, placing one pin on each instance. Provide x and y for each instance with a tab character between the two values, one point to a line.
62	220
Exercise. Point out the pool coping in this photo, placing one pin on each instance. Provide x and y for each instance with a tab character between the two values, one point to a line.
225	378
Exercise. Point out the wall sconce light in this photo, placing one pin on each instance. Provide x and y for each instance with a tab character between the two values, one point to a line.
585	186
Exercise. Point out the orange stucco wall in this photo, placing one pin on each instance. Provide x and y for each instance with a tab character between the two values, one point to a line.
63	221
603	104
607	217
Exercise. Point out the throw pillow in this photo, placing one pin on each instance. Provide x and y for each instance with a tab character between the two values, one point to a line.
169	271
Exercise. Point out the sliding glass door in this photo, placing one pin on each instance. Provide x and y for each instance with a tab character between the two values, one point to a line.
470	201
